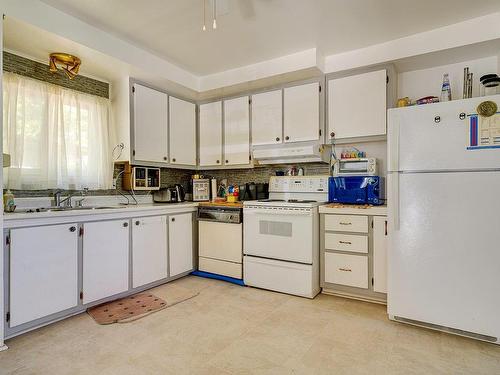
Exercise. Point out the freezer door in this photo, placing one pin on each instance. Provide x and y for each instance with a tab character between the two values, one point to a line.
444	250
434	137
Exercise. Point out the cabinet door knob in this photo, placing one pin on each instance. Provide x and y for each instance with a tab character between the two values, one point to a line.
218	161
173	219
277	139
173	160
137	222
72	229
287	138
227	161
332	134
164	158
125	225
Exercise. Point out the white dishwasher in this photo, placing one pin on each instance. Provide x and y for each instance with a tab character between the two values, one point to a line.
220	241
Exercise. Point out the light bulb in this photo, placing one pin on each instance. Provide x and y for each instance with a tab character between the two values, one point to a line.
214	26
204	28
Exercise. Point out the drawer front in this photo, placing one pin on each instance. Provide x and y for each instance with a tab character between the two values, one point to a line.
350	270
347	223
221	267
346	242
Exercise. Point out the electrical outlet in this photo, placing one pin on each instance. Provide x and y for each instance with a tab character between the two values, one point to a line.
114	183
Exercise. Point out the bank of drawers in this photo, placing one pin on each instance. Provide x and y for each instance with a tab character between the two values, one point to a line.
346	233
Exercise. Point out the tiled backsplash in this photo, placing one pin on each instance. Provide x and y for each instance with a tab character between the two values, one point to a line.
171	176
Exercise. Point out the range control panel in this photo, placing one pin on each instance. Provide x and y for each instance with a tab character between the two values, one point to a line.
298	184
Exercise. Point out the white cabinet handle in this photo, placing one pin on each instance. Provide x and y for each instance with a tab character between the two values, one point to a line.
345	269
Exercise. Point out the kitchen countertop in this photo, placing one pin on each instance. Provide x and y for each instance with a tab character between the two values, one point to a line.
353	209
23	219
221	204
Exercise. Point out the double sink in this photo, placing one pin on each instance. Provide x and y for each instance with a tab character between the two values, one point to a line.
58	209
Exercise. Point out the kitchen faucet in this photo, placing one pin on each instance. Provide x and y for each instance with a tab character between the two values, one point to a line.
66	202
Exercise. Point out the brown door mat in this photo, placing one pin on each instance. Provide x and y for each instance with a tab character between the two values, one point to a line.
134	307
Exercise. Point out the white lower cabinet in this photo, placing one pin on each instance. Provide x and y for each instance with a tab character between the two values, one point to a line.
351	270
105	259
149	250
380	254
43	272
180	243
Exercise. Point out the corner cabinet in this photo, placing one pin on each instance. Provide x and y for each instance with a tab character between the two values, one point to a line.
237	131
353	253
150	125
182	125
357	105
43	272
210	142
301	113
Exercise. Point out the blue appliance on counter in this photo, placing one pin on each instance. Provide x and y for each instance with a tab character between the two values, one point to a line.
356	190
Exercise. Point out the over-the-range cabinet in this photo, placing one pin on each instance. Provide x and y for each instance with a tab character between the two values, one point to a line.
224	133
164	129
288	115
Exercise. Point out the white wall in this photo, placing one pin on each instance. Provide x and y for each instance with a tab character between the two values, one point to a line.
420	83
119	96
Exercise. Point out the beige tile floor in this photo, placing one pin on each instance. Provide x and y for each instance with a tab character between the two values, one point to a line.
229	329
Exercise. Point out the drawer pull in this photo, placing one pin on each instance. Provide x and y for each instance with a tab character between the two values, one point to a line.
346	242
344	223
345	269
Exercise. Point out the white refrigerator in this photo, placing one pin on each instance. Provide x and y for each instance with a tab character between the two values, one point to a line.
444	218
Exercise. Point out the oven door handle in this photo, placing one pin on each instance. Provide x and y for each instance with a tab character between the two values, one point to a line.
276	212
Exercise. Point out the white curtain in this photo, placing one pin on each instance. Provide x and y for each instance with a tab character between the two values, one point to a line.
57	138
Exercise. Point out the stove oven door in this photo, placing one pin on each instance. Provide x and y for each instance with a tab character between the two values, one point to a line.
284	233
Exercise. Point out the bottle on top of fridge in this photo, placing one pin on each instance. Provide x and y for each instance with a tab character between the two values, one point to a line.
445	89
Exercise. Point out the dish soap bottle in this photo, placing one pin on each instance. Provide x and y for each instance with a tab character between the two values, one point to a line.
8	201
446	89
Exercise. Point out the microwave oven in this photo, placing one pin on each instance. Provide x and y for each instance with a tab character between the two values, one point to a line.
355	167
356	190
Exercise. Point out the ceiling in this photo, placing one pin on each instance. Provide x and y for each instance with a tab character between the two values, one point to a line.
251	31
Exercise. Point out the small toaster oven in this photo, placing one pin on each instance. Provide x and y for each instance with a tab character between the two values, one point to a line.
355	167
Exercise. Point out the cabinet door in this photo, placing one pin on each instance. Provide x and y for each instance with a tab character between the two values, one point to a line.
150	125
43	276
380	254
105	259
267	118
357	105
236	131
149	250
301	113
182	117
211	134
180	243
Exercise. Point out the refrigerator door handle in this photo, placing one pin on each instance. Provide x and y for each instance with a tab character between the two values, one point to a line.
393	143
395	201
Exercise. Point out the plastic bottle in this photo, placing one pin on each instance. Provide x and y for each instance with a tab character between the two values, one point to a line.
446	89
8	201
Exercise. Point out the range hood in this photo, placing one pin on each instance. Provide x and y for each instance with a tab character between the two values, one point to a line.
291	153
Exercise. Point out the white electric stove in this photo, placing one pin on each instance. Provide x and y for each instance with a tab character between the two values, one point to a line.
281	236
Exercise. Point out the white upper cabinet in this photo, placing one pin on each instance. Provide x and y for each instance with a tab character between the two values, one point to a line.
182	116
357	105
237	131
150	125
211	134
267	118
301	113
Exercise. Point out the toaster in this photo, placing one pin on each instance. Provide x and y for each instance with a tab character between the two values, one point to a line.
168	195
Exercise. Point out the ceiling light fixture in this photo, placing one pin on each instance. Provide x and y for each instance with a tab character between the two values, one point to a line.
204	14
214	25
69	63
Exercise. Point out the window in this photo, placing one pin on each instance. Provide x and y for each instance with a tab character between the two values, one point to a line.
57	138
